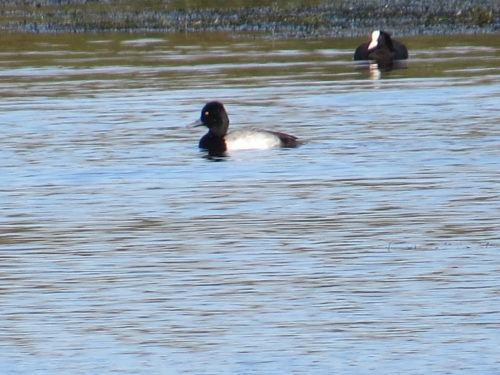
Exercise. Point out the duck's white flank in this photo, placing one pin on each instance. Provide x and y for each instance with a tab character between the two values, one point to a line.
251	139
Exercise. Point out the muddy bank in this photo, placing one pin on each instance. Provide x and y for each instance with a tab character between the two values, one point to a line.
282	18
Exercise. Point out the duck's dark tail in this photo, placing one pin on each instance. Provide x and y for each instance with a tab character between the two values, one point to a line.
287	140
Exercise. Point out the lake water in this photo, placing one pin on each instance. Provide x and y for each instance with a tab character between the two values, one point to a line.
371	249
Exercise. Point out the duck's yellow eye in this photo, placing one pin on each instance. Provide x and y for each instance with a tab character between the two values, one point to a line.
207	113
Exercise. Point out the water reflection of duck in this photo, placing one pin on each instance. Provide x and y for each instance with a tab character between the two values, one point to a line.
381	48
217	141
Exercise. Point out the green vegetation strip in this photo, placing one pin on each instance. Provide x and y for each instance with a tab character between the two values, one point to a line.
287	18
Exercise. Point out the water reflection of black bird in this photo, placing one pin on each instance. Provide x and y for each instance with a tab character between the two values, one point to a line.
382	49
217	141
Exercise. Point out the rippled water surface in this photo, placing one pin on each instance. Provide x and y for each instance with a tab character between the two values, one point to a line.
371	249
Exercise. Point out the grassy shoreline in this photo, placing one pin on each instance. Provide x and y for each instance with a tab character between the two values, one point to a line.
311	18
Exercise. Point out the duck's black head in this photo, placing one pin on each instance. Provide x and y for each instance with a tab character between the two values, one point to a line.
214	117
380	40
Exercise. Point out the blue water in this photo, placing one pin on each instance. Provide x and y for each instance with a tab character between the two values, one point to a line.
373	248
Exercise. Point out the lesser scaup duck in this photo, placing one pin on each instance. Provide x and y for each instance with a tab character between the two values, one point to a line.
217	141
382	49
